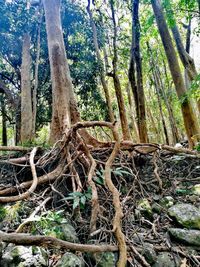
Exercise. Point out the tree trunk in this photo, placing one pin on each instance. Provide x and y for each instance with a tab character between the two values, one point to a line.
60	75
101	65
137	87
117	85
158	90
189	117
186	59
36	77
132	116
4	127
26	98
158	77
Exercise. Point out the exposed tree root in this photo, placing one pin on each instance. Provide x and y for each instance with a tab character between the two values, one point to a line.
33	185
47	241
156	171
116	201
69	155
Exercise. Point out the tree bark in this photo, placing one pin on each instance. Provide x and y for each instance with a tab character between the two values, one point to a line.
36	77
4	127
190	121
158	79
101	65
60	75
117	85
157	87
137	82
132	115
26	98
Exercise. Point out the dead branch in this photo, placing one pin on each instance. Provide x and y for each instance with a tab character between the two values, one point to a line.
116	200
47	241
181	150
15	148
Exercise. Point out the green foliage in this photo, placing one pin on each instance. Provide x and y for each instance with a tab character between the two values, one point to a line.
3	213
49	223
197	147
79	198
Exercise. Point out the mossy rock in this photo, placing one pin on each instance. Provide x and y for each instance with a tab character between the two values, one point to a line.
185	214
190	237
70	260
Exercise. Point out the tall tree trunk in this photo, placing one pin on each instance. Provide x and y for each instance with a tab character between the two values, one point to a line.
186	59
190	121
137	87
101	65
36	76
4	120
132	116
26	98
158	76
158	91
117	85
64	107
153	124
60	75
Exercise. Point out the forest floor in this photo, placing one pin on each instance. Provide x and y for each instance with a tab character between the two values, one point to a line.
150	184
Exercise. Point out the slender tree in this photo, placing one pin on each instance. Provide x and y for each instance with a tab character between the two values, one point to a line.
117	84
135	73
26	98
190	121
101	65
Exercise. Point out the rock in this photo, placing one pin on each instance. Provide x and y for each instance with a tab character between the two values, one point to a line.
167	202
149	253
105	259
144	207
157	208
196	189
165	259
69	233
70	260
186	214
20	256
190	237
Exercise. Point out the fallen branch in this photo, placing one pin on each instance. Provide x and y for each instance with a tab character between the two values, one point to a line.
47	241
181	150
15	148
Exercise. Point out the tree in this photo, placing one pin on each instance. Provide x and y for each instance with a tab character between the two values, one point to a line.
136	81
117	85
190	121
60	76
101	65
26	98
